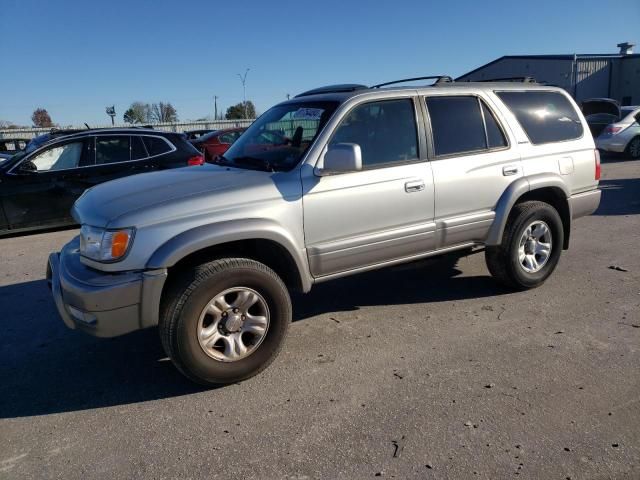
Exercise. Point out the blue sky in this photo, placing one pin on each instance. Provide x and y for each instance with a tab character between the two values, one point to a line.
76	57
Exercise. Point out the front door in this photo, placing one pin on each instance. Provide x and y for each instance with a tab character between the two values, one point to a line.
381	213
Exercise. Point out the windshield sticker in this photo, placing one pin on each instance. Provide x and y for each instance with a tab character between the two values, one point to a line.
308	113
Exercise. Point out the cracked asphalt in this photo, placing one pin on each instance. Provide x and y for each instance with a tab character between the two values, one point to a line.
426	370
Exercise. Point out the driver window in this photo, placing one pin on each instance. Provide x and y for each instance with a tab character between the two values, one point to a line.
62	157
385	130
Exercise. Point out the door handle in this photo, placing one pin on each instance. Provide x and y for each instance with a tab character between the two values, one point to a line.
415	186
510	170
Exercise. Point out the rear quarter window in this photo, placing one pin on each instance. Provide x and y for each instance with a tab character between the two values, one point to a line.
156	146
546	117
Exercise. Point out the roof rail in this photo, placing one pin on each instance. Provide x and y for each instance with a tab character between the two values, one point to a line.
343	87
508	79
438	79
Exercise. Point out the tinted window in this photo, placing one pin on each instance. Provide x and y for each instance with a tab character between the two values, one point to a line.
58	158
156	146
495	136
457	124
112	150
385	131
137	149
545	116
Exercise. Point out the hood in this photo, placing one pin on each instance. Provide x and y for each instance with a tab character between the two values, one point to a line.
601	105
154	197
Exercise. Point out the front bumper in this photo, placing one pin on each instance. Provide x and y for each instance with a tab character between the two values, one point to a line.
99	303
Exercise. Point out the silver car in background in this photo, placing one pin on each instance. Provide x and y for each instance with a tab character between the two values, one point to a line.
622	136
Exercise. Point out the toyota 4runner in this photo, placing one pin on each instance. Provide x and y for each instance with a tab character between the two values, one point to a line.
333	182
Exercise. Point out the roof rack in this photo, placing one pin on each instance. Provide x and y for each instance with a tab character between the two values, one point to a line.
508	79
438	79
343	87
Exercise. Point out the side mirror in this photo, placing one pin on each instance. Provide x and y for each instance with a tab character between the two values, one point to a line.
28	167
342	158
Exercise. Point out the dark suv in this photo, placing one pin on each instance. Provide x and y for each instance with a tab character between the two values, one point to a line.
38	188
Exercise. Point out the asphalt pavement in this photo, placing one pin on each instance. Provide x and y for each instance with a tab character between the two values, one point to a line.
427	370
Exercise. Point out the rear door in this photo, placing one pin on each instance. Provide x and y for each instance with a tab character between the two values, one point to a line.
35	192
473	160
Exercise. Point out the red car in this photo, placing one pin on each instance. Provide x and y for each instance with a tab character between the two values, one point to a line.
216	143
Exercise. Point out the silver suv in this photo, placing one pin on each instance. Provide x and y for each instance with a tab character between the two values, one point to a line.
336	181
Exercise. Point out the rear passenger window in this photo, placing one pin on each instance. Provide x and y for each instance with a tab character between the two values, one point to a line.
545	116
495	136
112	149
156	146
457	124
137	149
386	132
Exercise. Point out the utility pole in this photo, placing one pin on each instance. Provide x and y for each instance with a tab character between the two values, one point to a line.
215	107
243	79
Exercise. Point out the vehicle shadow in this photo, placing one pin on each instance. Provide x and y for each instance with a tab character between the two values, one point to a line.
619	197
46	368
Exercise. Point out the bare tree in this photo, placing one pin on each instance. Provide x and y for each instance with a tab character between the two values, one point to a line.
162	112
41	118
138	112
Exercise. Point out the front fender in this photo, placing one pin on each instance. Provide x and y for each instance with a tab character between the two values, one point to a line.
205	236
511	195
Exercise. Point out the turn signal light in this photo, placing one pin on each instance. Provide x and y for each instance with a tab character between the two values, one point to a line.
598	168
119	244
195	160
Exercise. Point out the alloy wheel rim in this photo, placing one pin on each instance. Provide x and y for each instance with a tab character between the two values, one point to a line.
535	246
233	324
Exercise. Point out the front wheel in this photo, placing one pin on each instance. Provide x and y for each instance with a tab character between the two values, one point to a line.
224	321
530	248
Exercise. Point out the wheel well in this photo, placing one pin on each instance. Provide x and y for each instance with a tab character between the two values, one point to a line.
557	199
271	253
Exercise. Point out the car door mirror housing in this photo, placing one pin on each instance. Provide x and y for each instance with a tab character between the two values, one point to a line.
28	167
342	158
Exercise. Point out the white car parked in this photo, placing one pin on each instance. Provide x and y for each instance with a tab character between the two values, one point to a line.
623	135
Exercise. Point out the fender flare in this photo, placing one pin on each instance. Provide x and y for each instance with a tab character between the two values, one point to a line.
516	190
205	236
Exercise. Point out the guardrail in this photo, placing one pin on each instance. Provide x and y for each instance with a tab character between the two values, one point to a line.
28	133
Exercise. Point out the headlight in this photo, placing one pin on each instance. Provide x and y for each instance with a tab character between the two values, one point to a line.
104	245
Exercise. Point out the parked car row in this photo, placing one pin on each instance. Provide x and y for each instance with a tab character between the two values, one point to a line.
39	186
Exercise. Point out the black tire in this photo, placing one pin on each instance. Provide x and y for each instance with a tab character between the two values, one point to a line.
503	261
187	296
628	150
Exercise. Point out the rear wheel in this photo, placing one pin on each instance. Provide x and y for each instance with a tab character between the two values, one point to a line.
633	148
225	321
531	246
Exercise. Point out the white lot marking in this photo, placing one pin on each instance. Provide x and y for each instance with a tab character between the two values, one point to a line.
9	463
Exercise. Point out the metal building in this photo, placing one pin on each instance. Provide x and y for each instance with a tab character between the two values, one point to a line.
583	76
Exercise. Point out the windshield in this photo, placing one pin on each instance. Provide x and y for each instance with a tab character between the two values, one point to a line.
279	138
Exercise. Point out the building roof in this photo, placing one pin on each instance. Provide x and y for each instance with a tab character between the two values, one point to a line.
569	56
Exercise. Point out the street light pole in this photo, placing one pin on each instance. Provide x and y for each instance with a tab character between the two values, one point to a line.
215	107
243	79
